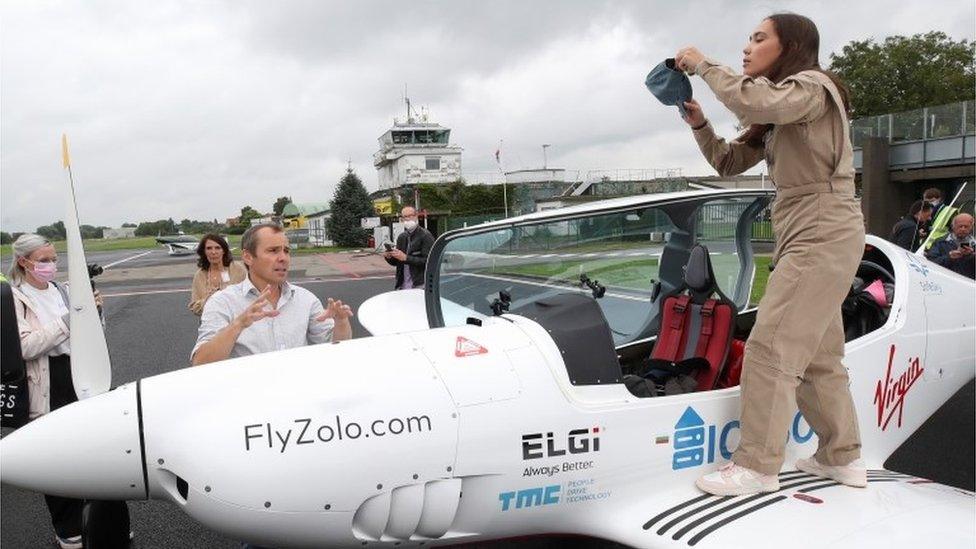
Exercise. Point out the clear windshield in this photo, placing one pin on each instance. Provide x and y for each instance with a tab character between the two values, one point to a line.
619	252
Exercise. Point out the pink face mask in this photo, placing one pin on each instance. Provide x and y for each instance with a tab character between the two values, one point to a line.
44	271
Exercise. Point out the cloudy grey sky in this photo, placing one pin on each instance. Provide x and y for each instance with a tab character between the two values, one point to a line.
194	109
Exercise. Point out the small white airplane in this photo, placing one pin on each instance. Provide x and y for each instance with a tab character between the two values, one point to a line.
492	404
178	244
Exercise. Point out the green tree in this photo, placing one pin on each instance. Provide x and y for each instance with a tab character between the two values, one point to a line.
89	232
349	204
279	205
463	200
159	227
129	225
191	226
5	238
905	73
54	231
247	214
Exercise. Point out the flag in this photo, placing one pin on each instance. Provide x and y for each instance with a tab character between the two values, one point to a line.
65	159
498	154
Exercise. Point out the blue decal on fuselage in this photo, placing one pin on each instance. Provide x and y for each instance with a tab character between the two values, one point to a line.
917	264
695	442
530	497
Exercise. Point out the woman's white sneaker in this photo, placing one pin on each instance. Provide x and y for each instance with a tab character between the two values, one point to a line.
73	542
734	480
853	474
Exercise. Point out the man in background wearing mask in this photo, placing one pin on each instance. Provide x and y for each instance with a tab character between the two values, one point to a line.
934	197
410	255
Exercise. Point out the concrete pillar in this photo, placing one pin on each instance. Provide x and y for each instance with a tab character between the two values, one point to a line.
882	201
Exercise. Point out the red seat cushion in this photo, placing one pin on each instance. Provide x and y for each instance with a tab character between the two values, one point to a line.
733	365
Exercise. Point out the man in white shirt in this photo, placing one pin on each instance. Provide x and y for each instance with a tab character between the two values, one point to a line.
264	312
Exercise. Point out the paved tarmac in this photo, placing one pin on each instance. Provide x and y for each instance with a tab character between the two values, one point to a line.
155	268
150	331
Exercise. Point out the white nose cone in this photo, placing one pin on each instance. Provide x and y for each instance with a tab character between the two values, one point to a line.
90	449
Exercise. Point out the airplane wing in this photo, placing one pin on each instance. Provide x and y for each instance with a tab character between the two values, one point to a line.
404	311
895	510
179	248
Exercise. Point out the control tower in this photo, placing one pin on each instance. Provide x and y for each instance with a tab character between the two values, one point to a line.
416	151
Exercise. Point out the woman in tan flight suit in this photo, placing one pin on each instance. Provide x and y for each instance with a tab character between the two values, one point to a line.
796	115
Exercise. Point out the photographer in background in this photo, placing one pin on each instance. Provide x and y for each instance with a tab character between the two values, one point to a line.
41	307
412	248
955	252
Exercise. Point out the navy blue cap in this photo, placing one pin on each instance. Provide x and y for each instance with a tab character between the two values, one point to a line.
669	84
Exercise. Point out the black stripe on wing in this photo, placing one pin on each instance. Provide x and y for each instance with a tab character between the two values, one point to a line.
705	511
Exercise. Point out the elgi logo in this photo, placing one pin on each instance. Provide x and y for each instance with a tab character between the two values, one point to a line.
691	448
578	442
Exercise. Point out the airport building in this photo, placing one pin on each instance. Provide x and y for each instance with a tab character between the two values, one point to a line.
416	151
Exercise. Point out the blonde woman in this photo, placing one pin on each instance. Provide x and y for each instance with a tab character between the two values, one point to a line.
41	307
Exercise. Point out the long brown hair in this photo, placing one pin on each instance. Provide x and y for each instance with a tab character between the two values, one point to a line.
800	41
202	261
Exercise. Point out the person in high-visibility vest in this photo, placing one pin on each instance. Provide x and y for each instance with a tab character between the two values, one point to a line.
940	225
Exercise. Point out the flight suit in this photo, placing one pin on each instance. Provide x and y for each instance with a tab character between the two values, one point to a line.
793	355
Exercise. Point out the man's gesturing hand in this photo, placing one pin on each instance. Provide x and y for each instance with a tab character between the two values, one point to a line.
336	310
256	311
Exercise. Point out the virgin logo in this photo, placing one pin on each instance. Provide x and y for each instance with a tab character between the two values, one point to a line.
889	395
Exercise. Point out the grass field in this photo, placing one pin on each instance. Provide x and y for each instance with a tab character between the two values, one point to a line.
633	274
759	282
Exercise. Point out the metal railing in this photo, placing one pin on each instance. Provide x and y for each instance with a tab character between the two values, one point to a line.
583	176
627	174
952	120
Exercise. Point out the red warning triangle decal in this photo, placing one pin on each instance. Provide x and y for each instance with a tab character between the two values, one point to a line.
466	347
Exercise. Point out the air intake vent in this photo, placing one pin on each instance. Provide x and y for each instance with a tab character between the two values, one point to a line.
415	511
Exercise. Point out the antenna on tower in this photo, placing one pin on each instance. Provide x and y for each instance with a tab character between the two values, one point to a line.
406	100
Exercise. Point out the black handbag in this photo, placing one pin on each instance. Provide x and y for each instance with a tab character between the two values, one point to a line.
15	400
14	396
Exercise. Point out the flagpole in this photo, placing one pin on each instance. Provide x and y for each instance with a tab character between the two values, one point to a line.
498	161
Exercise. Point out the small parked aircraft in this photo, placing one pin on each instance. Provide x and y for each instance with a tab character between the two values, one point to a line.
178	244
498	401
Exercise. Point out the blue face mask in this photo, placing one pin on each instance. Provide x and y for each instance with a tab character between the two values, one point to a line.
669	84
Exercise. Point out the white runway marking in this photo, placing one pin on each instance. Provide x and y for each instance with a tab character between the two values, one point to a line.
137	256
299	282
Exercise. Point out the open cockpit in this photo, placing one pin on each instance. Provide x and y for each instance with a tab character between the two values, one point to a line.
656	292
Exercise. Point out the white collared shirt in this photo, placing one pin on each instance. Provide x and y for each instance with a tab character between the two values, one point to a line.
295	325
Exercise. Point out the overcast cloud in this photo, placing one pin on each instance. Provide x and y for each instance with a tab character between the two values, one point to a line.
195	109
